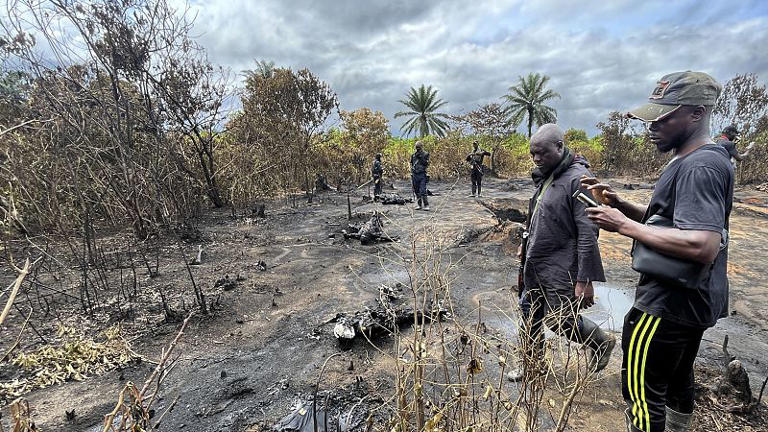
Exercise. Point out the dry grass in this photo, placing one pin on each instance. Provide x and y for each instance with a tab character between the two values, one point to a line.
450	375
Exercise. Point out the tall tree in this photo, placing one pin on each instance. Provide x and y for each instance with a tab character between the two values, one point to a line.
423	104
490	122
282	116
365	133
527	98
264	69
132	111
743	102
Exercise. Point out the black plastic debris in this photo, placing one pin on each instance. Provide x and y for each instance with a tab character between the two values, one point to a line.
301	420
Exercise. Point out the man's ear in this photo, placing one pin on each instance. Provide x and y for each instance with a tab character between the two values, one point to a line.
699	113
560	145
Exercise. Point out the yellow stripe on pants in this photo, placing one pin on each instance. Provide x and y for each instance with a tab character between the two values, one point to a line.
636	363
637	406
629	360
642	372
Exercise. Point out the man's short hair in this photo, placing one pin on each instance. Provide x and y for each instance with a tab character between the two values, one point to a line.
731	131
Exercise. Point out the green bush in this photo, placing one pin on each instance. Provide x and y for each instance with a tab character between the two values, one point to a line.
591	149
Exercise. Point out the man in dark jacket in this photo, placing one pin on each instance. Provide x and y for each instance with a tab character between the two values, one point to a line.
475	160
562	257
377	171
663	330
419	165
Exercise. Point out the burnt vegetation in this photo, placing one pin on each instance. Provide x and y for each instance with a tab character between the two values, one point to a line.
117	140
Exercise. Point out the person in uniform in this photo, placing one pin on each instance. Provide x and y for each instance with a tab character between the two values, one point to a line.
377	171
475	160
419	165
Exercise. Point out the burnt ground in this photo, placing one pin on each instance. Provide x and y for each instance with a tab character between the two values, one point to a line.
245	365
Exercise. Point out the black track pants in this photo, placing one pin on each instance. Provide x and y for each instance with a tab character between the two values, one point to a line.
657	370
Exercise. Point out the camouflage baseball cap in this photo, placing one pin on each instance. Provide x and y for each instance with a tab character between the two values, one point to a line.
675	90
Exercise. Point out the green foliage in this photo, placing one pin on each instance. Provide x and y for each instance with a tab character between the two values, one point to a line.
527	100
76	357
743	102
351	149
448	155
591	149
575	135
280	126
263	69
423	104
755	169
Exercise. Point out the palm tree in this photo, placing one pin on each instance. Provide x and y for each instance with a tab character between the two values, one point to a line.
264	69
527	99
422	104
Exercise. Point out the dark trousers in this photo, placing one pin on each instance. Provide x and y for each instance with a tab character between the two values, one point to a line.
419	181
657	370
477	180
376	186
557	312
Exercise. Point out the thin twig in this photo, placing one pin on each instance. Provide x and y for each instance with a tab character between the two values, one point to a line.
18	338
15	290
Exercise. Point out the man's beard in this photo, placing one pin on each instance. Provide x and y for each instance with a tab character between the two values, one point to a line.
665	147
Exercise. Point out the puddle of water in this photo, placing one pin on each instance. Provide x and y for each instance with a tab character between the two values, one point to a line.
389	275
611	304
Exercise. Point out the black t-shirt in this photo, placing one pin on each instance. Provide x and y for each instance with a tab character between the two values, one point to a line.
696	192
729	146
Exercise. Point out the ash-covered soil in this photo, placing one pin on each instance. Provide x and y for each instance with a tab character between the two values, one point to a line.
283	278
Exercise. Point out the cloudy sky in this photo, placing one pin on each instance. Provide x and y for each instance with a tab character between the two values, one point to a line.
601	55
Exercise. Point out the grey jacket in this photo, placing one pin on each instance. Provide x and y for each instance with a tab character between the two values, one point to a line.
562	242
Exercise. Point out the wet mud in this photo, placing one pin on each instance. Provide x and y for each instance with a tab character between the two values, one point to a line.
259	355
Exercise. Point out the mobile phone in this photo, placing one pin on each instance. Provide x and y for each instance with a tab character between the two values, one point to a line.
586	199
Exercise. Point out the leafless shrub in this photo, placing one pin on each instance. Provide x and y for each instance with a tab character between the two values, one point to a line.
126	105
452	375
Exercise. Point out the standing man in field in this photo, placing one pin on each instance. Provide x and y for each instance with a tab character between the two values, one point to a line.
727	140
687	219
475	160
377	171
419	165
561	258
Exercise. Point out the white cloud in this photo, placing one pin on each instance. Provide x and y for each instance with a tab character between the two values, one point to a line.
601	56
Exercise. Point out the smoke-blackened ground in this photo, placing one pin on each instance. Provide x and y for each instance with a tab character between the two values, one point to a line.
286	276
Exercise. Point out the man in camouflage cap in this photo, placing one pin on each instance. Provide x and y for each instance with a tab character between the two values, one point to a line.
694	194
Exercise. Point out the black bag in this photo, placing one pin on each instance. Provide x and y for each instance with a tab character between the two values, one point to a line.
672	270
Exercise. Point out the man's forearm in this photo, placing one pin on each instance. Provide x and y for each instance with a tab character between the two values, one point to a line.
693	245
631	210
